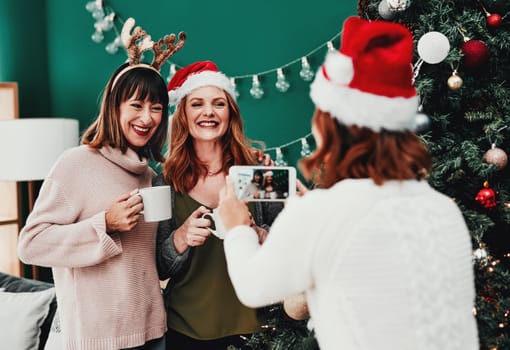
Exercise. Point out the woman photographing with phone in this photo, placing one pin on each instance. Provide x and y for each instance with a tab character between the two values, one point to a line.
207	138
384	259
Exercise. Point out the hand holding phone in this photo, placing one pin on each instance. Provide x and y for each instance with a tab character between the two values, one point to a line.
263	183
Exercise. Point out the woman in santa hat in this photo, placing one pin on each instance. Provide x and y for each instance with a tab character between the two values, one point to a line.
384	259
207	137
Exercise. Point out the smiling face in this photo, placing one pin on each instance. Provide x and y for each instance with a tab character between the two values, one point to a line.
139	120
207	112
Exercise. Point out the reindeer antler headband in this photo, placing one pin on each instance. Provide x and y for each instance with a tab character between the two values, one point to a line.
137	42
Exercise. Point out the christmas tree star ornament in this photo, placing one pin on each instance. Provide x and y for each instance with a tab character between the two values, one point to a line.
496	156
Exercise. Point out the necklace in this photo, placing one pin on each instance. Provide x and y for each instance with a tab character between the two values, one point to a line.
213	173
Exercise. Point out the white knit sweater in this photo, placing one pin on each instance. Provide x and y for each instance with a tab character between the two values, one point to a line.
107	287
383	267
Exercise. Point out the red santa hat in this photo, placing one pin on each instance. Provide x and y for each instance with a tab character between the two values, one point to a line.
196	75
369	81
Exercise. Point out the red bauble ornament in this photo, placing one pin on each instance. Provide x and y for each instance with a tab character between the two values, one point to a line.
494	20
486	196
475	53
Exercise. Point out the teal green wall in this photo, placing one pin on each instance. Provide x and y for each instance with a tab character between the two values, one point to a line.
46	47
23	53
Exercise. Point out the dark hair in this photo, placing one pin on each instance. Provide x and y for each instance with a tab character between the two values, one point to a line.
353	152
143	81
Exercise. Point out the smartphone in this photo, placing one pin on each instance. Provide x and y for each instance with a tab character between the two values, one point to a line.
263	183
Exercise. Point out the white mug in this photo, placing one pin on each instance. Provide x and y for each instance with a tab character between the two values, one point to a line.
157	203
217	228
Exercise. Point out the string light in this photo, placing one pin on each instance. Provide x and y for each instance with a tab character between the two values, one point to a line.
306	72
236	91
282	84
279	161
106	19
256	91
171	72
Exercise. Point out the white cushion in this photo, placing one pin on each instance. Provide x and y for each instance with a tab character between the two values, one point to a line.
21	316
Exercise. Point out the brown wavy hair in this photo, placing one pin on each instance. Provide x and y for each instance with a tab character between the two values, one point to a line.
106	129
353	152
182	167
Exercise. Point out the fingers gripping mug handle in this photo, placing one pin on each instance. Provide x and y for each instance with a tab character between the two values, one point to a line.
210	217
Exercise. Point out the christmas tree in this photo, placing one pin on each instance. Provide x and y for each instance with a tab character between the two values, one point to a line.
462	73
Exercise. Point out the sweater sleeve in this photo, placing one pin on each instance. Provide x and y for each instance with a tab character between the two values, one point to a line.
52	237
282	263
169	261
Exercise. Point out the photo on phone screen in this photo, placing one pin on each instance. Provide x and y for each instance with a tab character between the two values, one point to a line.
263	183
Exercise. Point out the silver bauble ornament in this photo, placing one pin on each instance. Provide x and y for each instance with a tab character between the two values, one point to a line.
480	256
398	5
496	156
296	307
385	12
421	123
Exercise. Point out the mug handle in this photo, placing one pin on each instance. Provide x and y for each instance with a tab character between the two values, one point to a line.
211	218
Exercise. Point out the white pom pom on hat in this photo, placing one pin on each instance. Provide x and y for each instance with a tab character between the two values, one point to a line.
368	82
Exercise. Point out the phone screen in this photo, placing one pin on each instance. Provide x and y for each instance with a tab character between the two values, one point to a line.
262	183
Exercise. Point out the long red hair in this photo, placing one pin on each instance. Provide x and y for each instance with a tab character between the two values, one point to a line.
352	152
182	167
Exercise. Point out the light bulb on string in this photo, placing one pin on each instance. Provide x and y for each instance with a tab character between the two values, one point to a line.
97	37
112	48
256	91
171	72
330	46
279	161
107	22
306	72
91	6
98	14
305	148
281	84
236	90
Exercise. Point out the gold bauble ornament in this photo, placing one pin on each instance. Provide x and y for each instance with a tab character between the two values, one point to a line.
296	307
454	81
496	156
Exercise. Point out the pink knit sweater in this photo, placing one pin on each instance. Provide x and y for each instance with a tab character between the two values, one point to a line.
107	287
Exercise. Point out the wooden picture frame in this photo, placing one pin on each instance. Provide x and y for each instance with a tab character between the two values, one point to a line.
9	104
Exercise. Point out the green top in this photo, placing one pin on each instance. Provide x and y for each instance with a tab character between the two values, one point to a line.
202	304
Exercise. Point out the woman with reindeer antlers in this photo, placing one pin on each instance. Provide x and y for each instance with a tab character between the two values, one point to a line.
86	222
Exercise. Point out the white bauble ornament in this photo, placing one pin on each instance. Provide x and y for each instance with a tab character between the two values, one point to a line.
296	307
384	11
398	5
433	47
